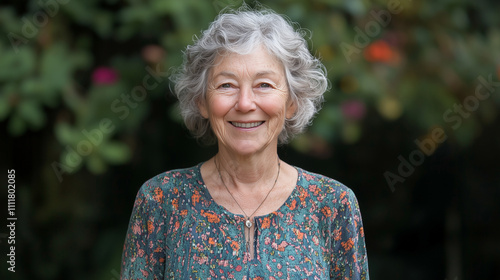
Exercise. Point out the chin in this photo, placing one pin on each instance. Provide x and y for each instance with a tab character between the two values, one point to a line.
246	148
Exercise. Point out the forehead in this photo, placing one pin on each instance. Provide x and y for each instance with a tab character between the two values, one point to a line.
256	63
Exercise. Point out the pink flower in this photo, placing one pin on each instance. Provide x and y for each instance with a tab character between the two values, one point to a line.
104	76
353	109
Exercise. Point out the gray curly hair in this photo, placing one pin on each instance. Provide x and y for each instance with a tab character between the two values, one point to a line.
240	31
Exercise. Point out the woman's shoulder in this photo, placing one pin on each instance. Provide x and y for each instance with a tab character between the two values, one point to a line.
173	180
322	186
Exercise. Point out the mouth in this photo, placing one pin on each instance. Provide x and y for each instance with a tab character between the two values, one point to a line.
246	125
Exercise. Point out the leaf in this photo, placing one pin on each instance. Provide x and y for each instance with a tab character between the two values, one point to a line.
103	23
56	68
65	133
14	66
115	152
32	113
96	165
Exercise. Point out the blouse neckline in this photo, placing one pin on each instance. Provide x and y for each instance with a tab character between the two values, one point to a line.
282	209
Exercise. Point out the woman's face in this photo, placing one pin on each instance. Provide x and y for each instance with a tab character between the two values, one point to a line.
247	101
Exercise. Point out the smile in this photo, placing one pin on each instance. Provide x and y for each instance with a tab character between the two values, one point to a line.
246	125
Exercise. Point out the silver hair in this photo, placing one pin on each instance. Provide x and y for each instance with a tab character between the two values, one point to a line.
240	31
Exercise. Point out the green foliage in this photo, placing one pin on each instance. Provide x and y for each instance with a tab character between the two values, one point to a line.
79	72
412	76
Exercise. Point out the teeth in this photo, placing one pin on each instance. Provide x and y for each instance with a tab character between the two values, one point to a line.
246	125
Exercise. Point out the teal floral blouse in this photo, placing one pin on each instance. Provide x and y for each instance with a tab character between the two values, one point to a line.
177	231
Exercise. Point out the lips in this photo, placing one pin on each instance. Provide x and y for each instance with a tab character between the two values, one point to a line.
246	125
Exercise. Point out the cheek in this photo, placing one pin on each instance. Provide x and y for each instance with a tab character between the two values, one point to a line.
277	113
218	108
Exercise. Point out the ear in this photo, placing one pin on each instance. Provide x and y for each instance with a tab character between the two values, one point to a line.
291	108
202	107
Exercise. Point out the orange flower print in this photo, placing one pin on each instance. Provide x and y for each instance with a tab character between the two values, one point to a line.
342	195
266	222
303	195
213	244
151	227
281	247
212	217
326	211
235	246
175	203
195	198
337	234
300	235
348	244
158	195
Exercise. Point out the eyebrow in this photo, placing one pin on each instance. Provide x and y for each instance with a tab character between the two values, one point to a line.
232	75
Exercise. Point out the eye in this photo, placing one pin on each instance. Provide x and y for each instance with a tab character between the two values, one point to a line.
226	85
265	85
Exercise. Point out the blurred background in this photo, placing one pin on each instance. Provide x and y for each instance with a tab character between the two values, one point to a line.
411	124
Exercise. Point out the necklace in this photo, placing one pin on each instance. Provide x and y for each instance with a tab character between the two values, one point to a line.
249	223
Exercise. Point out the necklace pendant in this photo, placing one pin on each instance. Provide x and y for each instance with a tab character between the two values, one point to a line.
248	223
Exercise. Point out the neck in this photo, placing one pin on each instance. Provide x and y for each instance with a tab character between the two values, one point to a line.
247	174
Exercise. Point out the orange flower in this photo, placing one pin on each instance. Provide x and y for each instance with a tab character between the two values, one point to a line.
348	244
342	195
266	222
151	227
303	195
195	198
235	245
184	212
294	204
300	235
211	241
175	203
212	218
337	234
158	195
326	211
380	51
282	246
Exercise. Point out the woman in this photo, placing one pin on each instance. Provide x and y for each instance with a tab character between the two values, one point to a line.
250	84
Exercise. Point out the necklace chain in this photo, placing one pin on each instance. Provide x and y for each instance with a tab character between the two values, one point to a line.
248	223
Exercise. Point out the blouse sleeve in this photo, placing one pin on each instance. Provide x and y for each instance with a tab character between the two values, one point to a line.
143	252
349	259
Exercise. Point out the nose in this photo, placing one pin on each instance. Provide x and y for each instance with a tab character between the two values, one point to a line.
246	100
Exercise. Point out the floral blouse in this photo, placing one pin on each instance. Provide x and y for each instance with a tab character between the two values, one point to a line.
177	231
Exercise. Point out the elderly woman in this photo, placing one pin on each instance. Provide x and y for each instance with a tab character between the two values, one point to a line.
249	84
